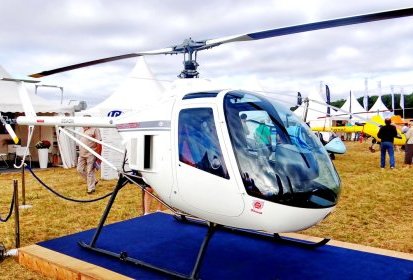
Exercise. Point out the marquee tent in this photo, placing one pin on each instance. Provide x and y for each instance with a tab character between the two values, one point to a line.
10	101
379	109
352	106
140	89
11	106
316	115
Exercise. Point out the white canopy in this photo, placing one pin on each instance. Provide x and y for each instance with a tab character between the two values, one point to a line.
140	89
352	106
317	112
10	101
380	109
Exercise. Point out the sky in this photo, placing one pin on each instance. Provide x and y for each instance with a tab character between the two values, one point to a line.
41	35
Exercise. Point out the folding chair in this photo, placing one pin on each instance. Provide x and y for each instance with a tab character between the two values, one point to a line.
6	165
11	151
20	153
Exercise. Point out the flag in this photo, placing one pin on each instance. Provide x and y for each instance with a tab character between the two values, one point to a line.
299	99
351	116
328	100
366	95
366	101
392	97
402	101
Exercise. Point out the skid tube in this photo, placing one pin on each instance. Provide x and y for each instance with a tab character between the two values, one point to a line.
123	256
272	237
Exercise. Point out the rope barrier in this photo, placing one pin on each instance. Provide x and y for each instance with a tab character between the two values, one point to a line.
10	210
62	196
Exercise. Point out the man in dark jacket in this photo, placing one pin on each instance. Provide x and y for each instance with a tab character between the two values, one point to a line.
387	133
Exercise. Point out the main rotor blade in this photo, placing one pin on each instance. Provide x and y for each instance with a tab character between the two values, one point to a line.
312	26
99	61
190	46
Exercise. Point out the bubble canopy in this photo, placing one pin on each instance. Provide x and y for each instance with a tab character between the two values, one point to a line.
279	157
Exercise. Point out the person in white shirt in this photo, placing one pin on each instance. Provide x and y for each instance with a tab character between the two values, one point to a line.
86	160
408	152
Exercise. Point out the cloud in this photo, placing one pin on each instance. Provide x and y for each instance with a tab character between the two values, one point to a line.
43	35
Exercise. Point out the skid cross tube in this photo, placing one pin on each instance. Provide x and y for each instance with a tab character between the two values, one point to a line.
123	256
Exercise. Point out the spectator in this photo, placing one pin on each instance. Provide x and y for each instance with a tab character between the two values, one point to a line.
408	152
263	134
387	133
263	138
348	134
86	160
147	202
244	124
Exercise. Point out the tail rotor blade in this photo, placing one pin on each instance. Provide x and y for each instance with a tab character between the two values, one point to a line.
12	134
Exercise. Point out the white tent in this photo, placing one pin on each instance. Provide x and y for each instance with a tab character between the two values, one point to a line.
316	114
10	101
352	106
379	109
138	90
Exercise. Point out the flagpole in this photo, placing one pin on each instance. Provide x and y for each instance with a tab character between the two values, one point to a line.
402	100
366	95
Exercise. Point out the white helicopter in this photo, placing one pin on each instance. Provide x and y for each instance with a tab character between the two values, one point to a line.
194	148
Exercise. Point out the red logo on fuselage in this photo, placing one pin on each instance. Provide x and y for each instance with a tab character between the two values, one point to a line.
257	206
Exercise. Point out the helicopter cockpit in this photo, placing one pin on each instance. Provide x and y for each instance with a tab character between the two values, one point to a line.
279	158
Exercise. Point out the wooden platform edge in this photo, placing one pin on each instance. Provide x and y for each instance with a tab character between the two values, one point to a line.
353	246
59	266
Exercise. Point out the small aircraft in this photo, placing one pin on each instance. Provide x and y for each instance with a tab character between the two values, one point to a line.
333	145
369	127
193	149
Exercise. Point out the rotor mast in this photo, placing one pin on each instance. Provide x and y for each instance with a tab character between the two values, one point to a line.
190	65
190	50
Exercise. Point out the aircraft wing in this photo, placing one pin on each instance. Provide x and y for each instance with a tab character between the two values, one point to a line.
369	128
346	129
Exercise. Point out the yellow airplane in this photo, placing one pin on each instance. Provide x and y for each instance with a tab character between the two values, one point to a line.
371	128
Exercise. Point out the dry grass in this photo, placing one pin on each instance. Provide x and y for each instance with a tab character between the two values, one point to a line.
375	208
51	216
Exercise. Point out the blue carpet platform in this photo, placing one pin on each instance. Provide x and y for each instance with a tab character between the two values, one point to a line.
161	240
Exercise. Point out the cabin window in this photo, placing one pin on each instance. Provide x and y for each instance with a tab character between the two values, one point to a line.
279	158
147	161
198	141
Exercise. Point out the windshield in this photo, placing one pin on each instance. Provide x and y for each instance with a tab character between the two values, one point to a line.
279	157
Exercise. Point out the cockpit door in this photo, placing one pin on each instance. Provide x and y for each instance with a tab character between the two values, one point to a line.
204	178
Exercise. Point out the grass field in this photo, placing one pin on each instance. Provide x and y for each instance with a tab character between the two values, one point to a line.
375	208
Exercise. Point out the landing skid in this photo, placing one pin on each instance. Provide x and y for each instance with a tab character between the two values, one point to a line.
212	228
123	256
296	242
273	237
